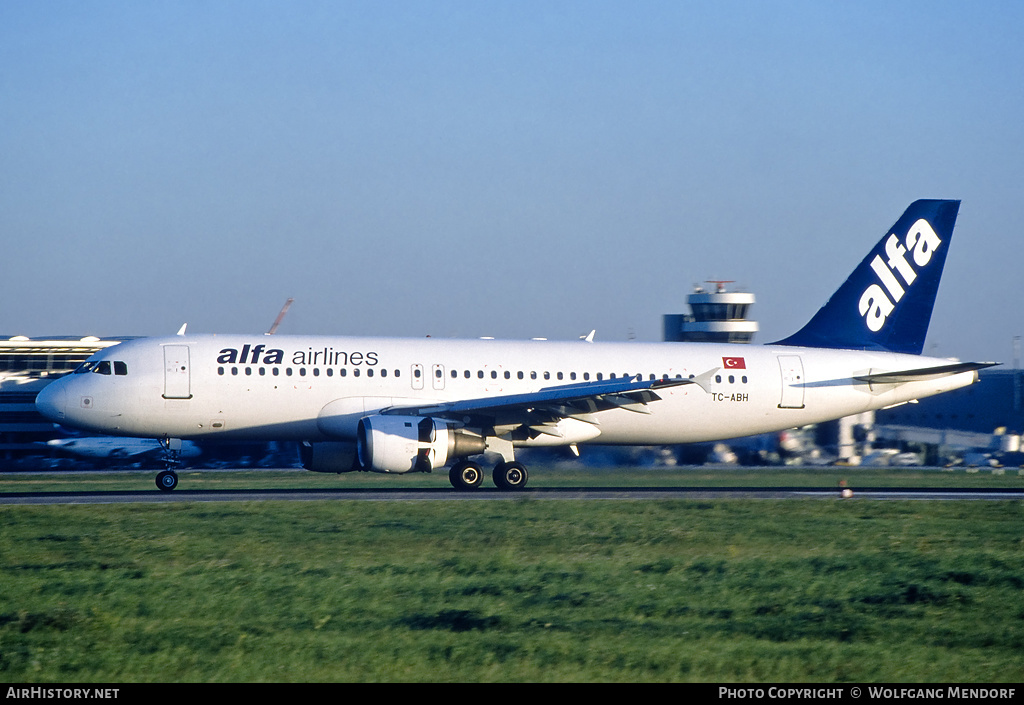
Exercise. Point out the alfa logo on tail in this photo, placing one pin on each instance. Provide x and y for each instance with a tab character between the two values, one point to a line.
877	303
887	302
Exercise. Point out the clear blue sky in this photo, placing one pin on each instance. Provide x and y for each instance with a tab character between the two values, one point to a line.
512	169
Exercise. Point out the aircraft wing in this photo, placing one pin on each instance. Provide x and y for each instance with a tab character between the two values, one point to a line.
550	404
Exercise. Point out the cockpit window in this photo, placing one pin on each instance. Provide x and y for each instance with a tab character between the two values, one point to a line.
103	367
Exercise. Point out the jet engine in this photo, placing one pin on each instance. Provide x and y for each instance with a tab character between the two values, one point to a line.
329	457
401	444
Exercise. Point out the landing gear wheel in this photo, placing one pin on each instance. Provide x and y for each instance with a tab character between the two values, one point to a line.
167	480
466	475
510	476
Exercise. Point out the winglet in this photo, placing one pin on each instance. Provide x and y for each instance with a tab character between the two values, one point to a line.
280	317
181	331
886	304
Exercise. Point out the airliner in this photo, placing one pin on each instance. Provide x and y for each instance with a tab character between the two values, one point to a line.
394	405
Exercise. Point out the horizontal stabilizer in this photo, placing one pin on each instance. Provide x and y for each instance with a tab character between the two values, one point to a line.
923	373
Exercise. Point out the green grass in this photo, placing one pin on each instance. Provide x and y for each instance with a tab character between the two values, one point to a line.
529	590
540	476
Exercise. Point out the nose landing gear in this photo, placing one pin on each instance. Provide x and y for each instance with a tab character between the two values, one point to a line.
167	480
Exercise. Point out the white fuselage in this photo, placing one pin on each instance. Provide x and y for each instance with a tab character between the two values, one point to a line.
317	388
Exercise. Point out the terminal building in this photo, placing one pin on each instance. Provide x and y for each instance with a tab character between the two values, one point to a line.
26	366
985	419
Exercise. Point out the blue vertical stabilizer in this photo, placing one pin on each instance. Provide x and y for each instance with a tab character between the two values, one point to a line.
886	304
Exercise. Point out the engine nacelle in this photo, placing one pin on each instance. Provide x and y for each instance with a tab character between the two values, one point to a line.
329	457
401	444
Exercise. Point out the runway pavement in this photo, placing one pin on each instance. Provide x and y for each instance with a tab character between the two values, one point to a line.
431	495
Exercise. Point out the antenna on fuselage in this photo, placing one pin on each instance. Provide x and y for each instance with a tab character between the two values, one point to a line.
280	317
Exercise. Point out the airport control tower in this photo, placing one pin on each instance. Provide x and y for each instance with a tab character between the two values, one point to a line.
717	316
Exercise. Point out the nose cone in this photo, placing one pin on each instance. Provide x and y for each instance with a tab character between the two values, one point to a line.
51	402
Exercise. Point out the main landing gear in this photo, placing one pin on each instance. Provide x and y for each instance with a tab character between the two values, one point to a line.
468	475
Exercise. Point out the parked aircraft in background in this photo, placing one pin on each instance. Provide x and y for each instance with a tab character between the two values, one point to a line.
415	405
126	450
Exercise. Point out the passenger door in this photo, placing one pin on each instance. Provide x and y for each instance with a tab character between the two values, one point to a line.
177	377
792	369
